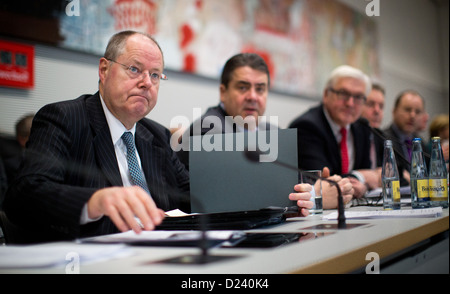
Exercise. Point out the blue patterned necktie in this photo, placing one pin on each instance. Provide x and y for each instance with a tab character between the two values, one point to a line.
137	177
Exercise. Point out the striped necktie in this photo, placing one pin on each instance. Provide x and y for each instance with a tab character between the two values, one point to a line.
344	151
137	177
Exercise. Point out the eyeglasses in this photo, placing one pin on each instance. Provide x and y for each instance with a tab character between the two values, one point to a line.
134	73
344	95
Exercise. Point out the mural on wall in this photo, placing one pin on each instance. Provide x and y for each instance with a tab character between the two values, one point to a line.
301	40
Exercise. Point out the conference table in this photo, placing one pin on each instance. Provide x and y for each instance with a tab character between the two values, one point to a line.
369	244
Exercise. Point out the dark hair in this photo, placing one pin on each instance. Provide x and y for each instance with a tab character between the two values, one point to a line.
400	96
378	87
117	43
252	60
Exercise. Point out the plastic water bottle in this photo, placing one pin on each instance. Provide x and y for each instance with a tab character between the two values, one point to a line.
420	197
390	178
438	175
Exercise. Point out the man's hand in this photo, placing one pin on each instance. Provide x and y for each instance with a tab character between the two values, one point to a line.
329	193
302	197
122	205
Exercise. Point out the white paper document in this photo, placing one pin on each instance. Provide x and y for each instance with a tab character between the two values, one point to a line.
131	236
402	213
57	254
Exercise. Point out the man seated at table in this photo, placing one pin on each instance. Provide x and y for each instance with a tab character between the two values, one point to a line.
329	134
95	163
244	88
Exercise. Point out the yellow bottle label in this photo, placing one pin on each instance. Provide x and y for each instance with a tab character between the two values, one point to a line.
438	190
422	189
396	191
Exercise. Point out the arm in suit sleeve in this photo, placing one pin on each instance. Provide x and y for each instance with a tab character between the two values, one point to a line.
313	149
53	184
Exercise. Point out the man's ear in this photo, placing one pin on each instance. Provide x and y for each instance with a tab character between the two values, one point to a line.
103	68
222	90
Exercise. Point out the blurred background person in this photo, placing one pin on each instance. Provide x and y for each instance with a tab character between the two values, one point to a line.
408	109
373	112
439	127
12	149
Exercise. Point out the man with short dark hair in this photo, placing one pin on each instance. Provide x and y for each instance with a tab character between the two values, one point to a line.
408	109
244	89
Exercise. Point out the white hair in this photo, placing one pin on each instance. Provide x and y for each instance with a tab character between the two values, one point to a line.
346	71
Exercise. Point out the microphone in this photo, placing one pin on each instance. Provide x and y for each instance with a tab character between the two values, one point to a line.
379	133
203	243
253	156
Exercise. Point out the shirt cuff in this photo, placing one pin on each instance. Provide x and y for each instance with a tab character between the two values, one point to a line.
359	176
84	219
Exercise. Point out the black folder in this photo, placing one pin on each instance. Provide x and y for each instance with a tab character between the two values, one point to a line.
238	220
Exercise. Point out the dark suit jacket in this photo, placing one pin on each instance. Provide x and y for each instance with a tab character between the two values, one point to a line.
70	155
197	129
403	162
379	148
318	148
3	183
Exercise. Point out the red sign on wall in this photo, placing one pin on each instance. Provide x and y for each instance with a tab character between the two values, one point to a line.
16	65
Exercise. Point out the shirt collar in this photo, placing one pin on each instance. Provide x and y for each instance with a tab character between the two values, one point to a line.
115	126
335	128
401	135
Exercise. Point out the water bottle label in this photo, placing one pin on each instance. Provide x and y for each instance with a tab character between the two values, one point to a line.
396	191
438	190
422	189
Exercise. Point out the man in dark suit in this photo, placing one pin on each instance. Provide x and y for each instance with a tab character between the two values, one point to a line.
244	89
373	112
321	129
76	180
408	109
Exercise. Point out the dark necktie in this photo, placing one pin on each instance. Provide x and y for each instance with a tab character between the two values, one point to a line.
408	144
344	151
137	177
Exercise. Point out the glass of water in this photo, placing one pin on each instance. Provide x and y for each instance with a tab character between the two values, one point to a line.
312	177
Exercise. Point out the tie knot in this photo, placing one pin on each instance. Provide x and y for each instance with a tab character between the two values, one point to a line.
343	132
127	138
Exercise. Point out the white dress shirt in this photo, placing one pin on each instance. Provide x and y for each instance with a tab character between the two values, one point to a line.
117	129
336	129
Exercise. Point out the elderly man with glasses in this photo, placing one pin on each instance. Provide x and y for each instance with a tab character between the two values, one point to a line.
329	134
96	165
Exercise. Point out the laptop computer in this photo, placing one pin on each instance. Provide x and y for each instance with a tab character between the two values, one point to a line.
222	179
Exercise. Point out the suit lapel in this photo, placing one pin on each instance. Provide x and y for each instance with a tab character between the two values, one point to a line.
152	159
358	144
333	146
104	149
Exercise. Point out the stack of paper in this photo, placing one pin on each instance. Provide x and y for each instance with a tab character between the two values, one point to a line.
131	237
57	254
425	212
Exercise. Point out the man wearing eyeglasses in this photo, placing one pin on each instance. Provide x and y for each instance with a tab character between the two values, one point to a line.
95	165
328	134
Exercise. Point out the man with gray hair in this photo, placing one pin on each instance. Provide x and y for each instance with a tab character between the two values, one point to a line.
329	134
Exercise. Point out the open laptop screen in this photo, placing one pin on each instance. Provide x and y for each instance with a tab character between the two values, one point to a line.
223	180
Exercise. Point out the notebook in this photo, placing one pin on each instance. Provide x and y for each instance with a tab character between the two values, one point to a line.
222	179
